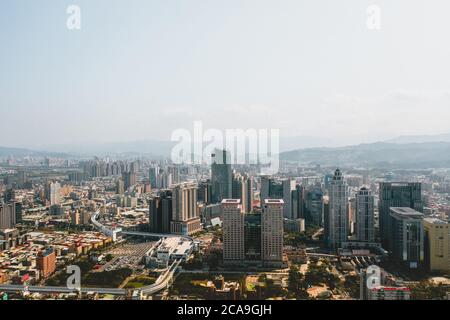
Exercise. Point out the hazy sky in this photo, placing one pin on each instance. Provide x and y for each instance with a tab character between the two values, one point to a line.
140	69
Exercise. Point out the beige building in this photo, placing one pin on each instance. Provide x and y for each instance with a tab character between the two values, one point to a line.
437	235
233	231
272	232
185	217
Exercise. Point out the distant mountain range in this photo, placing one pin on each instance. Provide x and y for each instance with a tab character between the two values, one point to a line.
381	155
421	139
404	151
22	152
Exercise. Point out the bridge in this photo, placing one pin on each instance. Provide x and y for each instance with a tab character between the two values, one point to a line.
163	281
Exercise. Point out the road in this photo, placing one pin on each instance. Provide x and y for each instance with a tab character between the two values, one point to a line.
50	289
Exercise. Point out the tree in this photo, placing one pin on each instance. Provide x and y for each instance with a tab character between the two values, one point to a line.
296	283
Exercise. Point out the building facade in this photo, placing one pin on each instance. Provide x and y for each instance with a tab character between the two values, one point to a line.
338	224
233	231
365	228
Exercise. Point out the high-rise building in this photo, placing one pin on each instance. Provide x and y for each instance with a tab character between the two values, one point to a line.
174	172
365	228
221	176
250	195
338	212
22	179
204	192
298	202
407	237
85	217
18	207
55	193
9	195
120	187
164	180
288	188
437	245
242	188
233	231
396	194
129	179
270	189
7	215
272	232
75	217
185	216
252	238
314	207
153	173
46	262
160	212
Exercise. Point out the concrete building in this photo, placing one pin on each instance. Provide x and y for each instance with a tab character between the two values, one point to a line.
185	216
46	262
272	232
7	215
233	231
160	212
396	194
407	237
242	188
365	228
221	176
437	245
55	193
120	187
338	224
288	188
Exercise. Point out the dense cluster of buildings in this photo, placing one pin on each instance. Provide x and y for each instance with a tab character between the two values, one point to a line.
361	213
35	256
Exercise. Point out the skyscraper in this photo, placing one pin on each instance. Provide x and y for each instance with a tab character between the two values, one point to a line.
396	194
298	202
153	173
272	232
120	187
242	188
55	193
221	176
270	189
185	218
407	237
365	229
288	187
160	212
233	231
7	215
314	207
252	238
338	211
129	179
